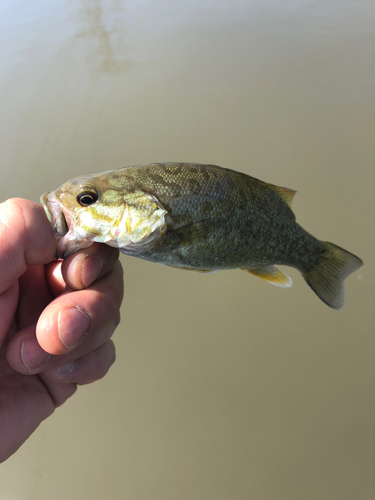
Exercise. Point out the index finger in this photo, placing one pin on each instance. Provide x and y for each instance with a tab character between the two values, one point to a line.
25	238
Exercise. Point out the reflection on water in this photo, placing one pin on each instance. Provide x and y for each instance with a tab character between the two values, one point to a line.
105	24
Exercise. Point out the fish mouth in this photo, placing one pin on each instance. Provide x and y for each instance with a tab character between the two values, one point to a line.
63	225
60	224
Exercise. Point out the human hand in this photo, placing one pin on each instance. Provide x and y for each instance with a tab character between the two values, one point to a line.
56	320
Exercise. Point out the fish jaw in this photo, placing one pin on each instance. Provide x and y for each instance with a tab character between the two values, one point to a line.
70	243
54	214
63	226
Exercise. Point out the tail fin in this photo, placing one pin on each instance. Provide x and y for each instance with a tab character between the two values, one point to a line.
327	279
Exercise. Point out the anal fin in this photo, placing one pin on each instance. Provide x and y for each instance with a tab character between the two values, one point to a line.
272	275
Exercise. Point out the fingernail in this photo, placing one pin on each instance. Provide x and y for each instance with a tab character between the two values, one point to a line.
33	356
72	325
91	267
64	370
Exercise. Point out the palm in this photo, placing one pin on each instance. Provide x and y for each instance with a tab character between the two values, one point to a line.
28	399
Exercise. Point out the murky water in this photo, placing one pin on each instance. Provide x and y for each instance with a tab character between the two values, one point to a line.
224	387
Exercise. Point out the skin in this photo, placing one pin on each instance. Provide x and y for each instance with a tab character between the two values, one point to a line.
42	357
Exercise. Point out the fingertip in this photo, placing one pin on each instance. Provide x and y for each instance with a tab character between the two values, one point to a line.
32	355
83	268
86	369
47	334
24	353
91	268
62	327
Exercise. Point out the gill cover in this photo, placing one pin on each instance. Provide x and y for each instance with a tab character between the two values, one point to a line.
141	222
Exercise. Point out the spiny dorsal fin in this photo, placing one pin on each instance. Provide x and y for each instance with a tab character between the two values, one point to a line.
286	194
272	275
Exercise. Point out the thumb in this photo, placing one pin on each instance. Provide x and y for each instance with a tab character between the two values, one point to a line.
25	238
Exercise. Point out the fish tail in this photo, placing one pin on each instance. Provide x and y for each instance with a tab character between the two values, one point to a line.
327	278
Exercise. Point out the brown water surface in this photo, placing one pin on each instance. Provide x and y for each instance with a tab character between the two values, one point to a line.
224	387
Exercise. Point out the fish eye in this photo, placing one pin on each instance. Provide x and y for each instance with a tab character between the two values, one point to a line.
87	198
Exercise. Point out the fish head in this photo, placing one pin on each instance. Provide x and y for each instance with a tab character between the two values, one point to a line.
90	209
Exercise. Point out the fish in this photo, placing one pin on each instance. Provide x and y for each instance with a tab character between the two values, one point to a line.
197	217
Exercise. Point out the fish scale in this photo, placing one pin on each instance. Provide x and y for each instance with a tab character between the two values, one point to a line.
197	217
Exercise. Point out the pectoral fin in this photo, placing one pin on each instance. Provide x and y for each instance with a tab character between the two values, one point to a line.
272	275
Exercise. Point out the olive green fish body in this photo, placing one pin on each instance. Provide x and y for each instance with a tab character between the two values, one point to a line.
200	217
220	218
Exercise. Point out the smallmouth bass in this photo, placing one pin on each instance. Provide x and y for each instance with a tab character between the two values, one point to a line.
197	217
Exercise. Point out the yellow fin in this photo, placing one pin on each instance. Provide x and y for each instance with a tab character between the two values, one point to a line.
286	194
272	275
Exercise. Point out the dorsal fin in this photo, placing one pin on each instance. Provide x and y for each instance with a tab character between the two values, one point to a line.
286	194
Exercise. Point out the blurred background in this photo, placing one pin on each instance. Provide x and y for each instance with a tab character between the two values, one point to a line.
224	387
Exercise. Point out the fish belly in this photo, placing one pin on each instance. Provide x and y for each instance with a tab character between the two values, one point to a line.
237	244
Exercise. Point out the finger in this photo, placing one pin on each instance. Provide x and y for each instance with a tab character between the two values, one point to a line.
55	278
34	295
74	317
25	355
59	332
26	238
8	304
82	268
58	393
89	368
